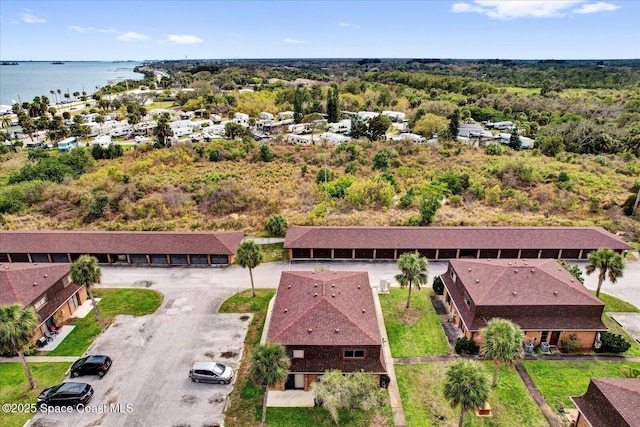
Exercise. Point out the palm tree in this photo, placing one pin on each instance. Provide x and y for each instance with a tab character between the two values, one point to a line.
466	386
607	261
413	271
85	271
502	343
269	367
100	120
249	256
16	331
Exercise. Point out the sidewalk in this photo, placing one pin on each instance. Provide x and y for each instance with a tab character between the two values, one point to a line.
40	359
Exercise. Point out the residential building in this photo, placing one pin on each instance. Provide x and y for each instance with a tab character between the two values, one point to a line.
395	116
538	295
46	288
413	137
265	116
294	139
343	126
326	320
609	402
334	138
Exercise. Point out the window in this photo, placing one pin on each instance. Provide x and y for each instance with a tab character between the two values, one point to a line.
467	300
353	354
453	274
298	354
42	301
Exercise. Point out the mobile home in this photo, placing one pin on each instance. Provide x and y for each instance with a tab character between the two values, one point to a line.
68	144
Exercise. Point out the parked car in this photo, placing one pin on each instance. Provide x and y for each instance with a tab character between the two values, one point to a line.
91	365
66	394
211	372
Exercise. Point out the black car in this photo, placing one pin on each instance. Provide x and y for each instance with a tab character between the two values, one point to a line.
91	365
66	394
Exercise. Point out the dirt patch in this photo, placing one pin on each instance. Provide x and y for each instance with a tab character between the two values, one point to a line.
245	318
438	305
410	316
216	398
210	355
229	354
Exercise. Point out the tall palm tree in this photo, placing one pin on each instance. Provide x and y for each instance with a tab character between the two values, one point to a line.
85	271
249	256
269	367
16	330
466	386
609	263
502	343
413	271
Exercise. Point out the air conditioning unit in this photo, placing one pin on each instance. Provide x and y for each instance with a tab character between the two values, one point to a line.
544	347
528	347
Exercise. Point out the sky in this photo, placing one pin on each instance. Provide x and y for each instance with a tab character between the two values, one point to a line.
466	29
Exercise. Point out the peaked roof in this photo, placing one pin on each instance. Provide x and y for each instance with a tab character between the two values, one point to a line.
535	294
123	242
521	282
611	402
324	308
25	283
453	238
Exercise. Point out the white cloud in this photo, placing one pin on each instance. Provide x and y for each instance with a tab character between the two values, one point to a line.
293	41
77	28
80	29
596	7
499	9
186	39
345	24
131	36
29	18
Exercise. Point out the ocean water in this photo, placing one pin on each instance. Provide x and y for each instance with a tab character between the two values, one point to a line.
23	82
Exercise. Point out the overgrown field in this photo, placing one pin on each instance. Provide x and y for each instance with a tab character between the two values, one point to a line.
367	183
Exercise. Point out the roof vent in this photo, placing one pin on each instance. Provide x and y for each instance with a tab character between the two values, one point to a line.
45	276
289	287
533	270
315	295
469	268
515	293
286	310
35	284
337	330
510	263
333	285
315	286
515	271
555	293
309	330
559	268
335	272
363	310
358	286
477	280
333	295
571	280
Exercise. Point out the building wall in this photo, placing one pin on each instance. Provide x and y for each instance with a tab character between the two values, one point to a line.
581	421
587	338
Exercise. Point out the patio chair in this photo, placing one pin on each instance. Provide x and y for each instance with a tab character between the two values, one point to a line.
49	335
54	329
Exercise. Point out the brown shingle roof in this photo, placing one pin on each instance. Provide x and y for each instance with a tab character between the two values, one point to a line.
535	294
453	238
16	281
324	308
611	402
120	242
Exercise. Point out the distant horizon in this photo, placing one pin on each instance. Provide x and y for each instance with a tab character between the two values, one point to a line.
111	30
355	58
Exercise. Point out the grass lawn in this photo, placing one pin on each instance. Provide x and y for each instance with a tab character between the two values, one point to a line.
245	408
136	302
557	380
274	252
415	331
421	390
14	387
614	304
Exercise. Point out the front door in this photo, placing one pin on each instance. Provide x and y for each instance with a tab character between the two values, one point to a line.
299	381
554	338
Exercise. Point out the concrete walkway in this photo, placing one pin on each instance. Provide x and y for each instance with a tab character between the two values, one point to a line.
537	396
39	359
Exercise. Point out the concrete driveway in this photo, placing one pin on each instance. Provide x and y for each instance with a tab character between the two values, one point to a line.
153	354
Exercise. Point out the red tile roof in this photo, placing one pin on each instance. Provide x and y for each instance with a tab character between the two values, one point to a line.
611	402
535	294
17	281
453	238
324	308
120	242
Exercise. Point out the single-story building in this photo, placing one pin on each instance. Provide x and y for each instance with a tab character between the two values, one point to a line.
538	295
326	320
46	288
388	243
121	247
609	402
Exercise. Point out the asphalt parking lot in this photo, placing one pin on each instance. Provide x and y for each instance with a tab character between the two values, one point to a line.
152	354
